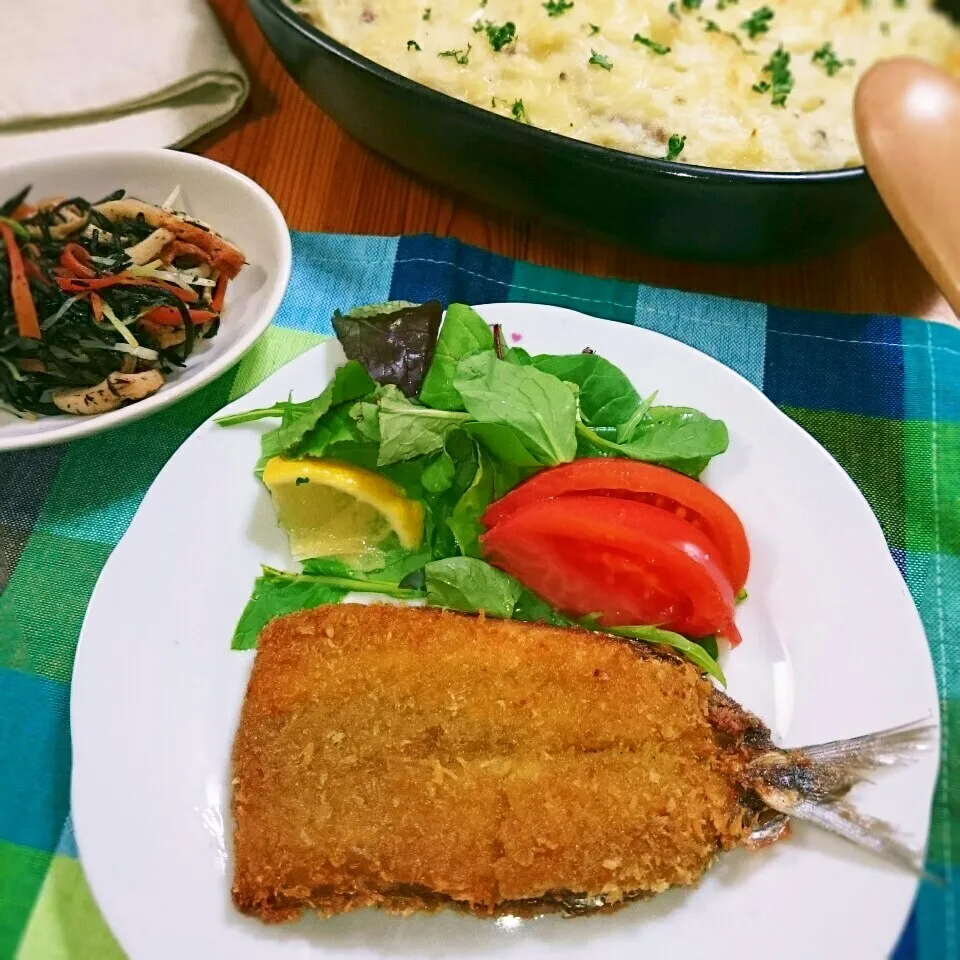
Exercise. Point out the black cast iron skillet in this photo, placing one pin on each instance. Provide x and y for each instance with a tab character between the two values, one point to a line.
674	209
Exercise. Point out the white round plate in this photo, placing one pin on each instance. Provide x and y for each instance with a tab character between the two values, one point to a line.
833	647
232	203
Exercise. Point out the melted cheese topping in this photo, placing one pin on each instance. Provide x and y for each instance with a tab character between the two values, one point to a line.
584	72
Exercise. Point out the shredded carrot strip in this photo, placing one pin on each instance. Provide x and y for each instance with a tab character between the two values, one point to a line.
24	308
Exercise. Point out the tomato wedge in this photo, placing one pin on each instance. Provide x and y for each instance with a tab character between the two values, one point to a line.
644	483
623	561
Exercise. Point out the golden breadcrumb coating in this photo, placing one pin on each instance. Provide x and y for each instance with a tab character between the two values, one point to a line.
411	758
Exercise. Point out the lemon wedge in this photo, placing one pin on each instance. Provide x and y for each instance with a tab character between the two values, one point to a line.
334	509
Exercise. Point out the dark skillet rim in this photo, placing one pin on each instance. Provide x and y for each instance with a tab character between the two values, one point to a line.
524	134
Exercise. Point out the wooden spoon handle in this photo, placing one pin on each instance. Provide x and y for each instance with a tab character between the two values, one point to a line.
907	116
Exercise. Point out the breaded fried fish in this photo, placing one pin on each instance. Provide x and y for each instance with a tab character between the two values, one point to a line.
412	759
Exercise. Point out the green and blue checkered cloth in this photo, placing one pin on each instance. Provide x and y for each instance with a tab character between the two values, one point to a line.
882	394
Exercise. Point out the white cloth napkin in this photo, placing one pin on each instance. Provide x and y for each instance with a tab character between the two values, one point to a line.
76	74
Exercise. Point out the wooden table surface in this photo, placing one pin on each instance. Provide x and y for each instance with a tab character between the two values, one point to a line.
324	181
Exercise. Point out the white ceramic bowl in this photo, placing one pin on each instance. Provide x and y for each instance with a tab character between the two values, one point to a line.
232	203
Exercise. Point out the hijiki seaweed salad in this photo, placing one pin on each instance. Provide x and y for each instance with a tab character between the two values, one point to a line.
100	300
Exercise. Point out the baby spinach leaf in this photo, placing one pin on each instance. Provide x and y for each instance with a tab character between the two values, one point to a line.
408	431
692	650
503	442
395	342
540	409
518	357
463	332
439	473
464	520
606	395
680	438
530	607
471	586
275	596
626	430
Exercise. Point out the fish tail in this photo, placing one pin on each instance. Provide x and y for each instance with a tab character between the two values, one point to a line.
811	784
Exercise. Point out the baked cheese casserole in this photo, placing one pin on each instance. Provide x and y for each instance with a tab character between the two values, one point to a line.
723	83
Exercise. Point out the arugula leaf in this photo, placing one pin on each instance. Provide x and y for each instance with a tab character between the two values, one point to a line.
395	341
408	431
464	521
539	408
463	333
471	586
349	383
275	596
677	437
606	394
692	650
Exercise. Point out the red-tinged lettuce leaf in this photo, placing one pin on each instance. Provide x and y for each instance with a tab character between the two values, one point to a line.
395	342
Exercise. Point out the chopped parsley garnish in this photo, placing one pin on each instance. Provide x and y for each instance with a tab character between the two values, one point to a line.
885	28
500	36
555	7
519	112
413	45
599	60
758	22
781	79
691	4
594	29
426	14
828	59
711	26
672	9
300	481
657	48
900	4
866	4
461	56
675	146
723	4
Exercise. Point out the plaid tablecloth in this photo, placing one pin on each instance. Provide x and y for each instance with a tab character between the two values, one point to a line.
881	393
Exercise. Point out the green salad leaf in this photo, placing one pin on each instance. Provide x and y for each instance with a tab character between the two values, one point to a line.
464	332
274	597
538	407
439	473
408	431
606	395
464	520
680	438
692	650
471	586
503	442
